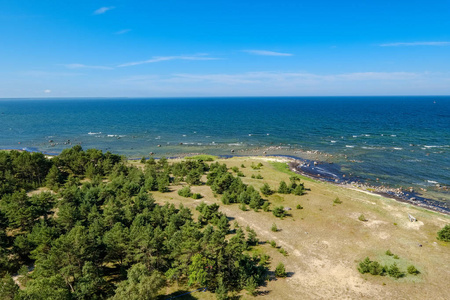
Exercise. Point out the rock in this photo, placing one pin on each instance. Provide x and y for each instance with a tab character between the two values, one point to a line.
159	145
232	150
287	208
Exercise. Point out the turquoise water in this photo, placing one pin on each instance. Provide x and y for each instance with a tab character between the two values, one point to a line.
402	141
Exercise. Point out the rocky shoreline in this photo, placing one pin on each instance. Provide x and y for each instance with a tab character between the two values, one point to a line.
318	171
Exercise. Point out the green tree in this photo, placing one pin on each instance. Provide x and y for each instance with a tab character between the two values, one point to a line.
265	190
140	284
444	233
8	288
280	270
279	212
283	189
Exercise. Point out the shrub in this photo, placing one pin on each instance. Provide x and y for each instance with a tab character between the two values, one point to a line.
444	233
412	270
299	206
253	176
375	268
282	251
274	227
364	266
337	201
235	169
243	207
265	206
283	188
273	244
280	270
264	260
266	190
299	190
279	212
197	196
396	256
362	218
395	272
389	253
185	192
242	166
259	176
240	174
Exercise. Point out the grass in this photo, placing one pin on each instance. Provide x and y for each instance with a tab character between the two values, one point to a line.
283	167
204	157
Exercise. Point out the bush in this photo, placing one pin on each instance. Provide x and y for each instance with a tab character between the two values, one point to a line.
273	244
185	192
266	190
274	227
235	169
265	206
283	188
282	251
280	271
259	176
395	272
243	207
412	270
279	212
240	174
197	196
362	218
444	233
242	166
253	176
337	201
396	256
389	253
299	206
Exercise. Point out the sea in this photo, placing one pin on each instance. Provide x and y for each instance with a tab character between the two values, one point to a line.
401	141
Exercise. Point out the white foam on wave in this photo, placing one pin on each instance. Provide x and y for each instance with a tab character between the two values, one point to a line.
432	181
94	133
349	146
398	148
333	142
393	135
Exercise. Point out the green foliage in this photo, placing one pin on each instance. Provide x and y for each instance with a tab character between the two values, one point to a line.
444	233
396	256
337	201
243	207
258	176
283	188
242	166
282	251
240	174
273	244
197	196
362	218
257	167
8	288
265	190
235	169
274	227
412	270
299	206
109	229
185	192
394	271
202	157
280	271
266	206
389	253
279	212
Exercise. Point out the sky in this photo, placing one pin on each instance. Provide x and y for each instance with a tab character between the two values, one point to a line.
171	48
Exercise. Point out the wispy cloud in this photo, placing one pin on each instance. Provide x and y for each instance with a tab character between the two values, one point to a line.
103	9
123	31
444	43
267	53
156	59
81	66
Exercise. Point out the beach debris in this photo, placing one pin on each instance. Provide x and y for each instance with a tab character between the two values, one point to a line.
411	218
232	150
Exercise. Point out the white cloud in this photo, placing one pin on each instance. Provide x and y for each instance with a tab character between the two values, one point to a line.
123	31
267	53
416	44
47	91
156	59
81	66
103	9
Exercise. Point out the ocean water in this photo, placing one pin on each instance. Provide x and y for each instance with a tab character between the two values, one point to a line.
401	141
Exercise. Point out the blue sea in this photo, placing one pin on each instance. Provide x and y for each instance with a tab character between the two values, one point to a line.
401	141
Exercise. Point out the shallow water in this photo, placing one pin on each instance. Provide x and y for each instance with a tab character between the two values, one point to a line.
402	141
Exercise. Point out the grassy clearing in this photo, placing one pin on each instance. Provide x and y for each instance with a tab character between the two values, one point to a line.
204	157
283	167
325	242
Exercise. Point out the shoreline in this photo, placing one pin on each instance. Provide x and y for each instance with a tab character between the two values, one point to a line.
304	168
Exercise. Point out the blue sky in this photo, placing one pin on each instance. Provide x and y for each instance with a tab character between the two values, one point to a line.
176	48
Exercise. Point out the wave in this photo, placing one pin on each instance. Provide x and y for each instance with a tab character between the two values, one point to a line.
349	146
94	133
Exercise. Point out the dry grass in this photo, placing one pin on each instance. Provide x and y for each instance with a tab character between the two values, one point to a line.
326	241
